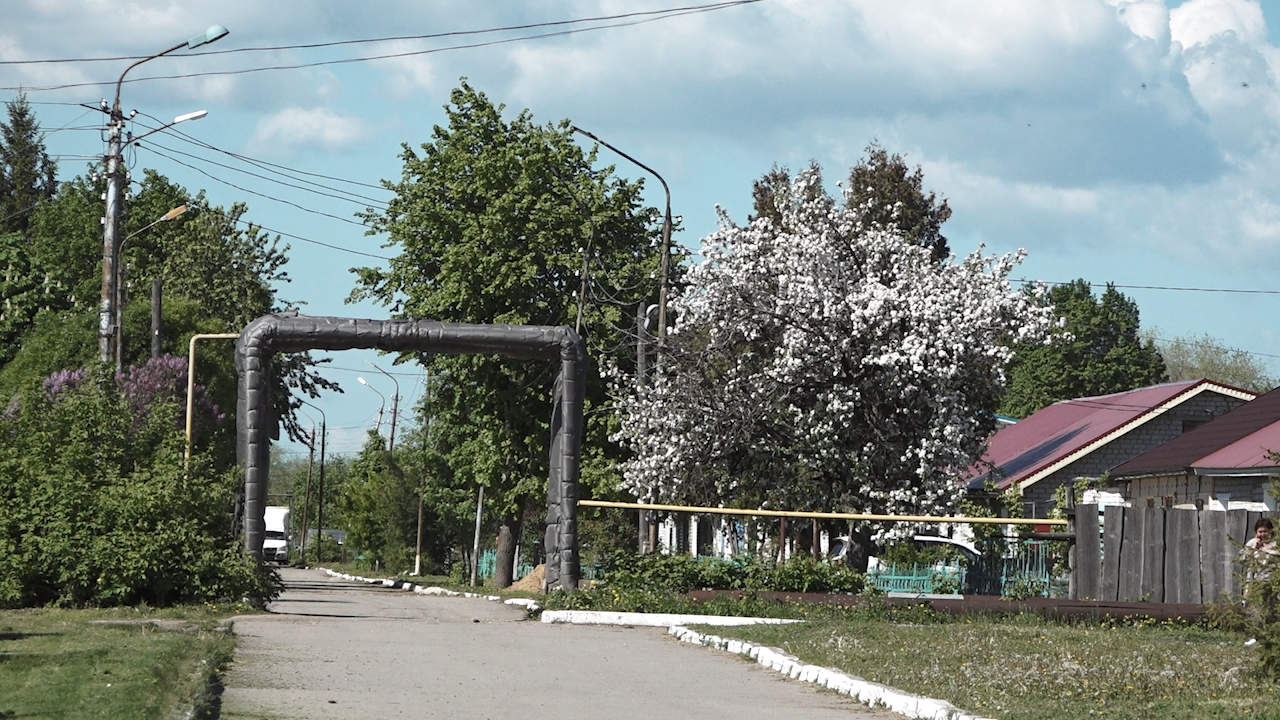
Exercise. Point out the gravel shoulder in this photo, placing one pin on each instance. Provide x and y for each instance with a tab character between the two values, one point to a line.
337	649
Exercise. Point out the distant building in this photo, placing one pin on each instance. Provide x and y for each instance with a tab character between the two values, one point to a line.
1224	464
1086	437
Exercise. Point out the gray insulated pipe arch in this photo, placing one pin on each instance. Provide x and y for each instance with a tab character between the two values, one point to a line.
256	426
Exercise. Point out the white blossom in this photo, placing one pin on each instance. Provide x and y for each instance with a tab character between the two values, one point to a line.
826	364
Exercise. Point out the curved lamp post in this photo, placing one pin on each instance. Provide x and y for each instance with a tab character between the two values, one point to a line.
383	406
324	421
115	190
155	294
395	404
650	539
666	238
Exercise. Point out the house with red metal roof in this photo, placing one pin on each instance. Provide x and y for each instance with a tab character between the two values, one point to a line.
1224	464
1087	437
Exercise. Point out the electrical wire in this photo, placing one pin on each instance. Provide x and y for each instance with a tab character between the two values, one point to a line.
432	36
299	238
264	196
265	165
1237	291
347	61
364	202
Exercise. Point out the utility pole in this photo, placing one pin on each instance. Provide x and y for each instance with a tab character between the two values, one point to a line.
116	177
320	514
642	332
306	498
426	435
320	509
110	230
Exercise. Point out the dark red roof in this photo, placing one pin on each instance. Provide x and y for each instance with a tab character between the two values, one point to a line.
1050	435
1233	439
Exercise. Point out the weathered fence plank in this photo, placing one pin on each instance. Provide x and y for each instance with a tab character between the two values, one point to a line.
1238	532
1173	526
1088	553
1182	553
1214	562
1112	526
1153	555
1130	586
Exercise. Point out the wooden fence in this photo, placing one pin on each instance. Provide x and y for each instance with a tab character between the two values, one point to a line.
1155	554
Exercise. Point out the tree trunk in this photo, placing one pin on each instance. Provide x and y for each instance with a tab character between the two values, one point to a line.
504	563
860	549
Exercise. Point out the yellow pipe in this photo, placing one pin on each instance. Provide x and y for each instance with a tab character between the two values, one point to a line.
191	378
840	516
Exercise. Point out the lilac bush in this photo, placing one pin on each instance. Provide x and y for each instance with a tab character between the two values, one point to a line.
159	380
164	379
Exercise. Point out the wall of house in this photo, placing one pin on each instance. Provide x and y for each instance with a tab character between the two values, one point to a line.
1188	489
1038	497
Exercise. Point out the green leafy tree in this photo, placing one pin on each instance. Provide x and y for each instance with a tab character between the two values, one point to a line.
881	190
380	506
496	220
218	273
1192	357
27	175
1099	350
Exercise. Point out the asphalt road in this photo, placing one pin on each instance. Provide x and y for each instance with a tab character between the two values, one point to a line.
337	649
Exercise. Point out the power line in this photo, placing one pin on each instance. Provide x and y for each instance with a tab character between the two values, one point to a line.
1223	347
297	237
264	196
412	53
432	36
1153	287
358	370
355	199
265	165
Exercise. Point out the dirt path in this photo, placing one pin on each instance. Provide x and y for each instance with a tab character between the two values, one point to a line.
335	649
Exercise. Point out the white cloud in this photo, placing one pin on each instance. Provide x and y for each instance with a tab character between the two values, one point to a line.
1196	22
300	128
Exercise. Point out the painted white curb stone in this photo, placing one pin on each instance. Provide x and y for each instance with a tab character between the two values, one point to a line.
869	693
864	691
528	604
599	617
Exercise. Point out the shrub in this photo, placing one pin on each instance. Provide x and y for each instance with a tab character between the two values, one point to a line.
682	573
98	508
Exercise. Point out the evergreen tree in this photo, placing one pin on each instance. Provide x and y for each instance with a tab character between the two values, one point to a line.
26	172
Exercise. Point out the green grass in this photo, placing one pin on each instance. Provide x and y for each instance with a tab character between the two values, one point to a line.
1026	668
59	664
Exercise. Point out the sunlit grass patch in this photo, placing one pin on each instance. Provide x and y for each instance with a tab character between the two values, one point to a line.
1034	669
62	664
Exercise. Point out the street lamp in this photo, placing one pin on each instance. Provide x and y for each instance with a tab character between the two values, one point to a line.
395	404
155	294
652	536
380	407
307	503
666	238
115	191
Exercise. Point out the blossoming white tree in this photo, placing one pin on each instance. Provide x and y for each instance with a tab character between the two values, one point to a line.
817	363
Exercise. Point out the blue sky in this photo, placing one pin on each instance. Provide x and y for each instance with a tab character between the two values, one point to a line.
1133	142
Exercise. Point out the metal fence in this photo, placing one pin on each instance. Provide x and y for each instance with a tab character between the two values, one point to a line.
1004	567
